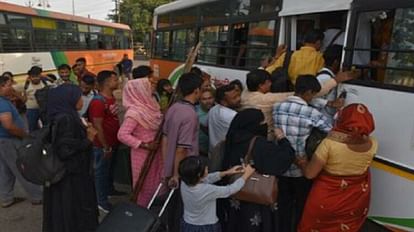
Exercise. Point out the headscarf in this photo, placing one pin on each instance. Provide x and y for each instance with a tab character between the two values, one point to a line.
355	120
140	104
63	100
245	125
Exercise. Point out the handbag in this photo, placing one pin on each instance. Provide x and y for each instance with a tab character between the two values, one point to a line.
260	189
312	142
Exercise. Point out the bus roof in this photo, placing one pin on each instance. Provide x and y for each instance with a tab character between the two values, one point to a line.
180	4
296	7
8	7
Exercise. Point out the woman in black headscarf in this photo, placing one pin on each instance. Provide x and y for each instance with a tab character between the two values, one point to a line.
70	205
269	158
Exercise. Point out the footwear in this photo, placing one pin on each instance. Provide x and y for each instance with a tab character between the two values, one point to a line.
105	208
15	200
116	193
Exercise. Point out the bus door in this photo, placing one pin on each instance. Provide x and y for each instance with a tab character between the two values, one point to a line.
300	17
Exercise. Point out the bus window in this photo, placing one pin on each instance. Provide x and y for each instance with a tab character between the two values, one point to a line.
18	20
93	41
2	19
15	40
182	42
95	29
109	42
178	48
163	21
260	42
162	44
215	10
45	40
214	45
240	34
186	16
68	40
67	37
249	7
384	47
83	40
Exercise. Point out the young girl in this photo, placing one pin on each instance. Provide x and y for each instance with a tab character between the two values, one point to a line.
199	194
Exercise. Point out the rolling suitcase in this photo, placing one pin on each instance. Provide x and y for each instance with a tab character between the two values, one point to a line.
129	217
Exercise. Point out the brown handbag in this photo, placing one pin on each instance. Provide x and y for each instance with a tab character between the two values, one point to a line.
259	189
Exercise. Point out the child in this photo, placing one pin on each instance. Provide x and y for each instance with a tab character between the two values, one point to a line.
199	194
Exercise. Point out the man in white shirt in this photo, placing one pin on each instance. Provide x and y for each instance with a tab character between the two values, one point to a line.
220	116
34	82
329	103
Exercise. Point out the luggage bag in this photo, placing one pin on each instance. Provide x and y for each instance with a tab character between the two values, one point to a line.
130	217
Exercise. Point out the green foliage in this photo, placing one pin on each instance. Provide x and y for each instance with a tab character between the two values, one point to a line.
138	15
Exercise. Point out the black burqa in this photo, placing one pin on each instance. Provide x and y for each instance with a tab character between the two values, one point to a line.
269	158
70	205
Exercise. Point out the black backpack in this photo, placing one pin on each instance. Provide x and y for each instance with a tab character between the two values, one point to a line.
312	142
280	77
37	160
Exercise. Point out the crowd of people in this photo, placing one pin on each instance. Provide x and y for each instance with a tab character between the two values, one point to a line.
327	191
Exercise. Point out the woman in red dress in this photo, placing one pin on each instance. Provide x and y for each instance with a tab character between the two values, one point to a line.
340	195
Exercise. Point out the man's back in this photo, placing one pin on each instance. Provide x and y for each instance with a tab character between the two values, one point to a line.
181	130
303	62
296	118
219	119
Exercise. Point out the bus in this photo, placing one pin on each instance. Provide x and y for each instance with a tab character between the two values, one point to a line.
378	40
35	37
235	35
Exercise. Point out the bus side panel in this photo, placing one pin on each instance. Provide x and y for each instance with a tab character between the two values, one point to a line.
163	68
98	60
394	121
391	201
20	63
224	75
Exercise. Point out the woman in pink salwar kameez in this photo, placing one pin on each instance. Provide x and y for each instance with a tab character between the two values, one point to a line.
142	120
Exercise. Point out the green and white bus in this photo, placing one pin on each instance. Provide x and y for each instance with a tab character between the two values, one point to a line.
378	39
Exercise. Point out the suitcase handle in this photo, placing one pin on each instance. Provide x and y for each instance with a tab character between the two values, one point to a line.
166	201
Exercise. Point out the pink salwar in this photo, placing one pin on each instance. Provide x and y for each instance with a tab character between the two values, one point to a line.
133	134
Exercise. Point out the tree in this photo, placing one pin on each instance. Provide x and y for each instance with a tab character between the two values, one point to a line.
138	15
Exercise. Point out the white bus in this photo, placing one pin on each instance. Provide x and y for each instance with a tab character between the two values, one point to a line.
378	38
35	37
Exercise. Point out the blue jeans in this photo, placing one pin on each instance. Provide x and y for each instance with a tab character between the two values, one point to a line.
102	178
33	117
